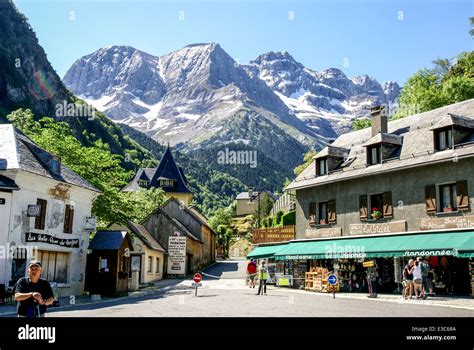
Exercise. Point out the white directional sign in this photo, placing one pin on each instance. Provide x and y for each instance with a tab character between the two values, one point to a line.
177	255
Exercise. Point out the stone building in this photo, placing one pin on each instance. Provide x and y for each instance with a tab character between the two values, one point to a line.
398	190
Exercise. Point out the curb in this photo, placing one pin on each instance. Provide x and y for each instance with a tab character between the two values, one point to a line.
390	300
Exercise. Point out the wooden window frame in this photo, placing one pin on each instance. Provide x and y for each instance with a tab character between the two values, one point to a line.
452	186
323	161
448	139
149	267
312	213
370	159
321	214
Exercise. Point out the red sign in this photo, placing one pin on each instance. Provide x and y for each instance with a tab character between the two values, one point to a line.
197	278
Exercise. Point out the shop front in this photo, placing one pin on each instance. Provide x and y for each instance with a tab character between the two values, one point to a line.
450	257
266	253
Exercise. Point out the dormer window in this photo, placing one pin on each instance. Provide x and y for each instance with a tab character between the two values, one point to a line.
444	139
374	155
329	159
56	166
322	166
166	183
143	183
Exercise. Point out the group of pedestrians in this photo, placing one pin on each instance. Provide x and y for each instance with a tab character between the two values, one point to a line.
416	279
257	272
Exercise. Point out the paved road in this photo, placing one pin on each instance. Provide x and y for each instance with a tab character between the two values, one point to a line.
228	296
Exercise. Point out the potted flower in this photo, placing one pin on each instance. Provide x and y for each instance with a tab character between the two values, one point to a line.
322	222
376	213
448	209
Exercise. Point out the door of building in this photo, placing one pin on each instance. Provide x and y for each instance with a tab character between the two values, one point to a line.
5	205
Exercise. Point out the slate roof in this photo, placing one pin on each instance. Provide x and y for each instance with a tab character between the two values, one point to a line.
107	240
417	148
145	236
245	195
167	169
8	184
19	152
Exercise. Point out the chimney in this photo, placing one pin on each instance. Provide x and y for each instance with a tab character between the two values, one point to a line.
379	120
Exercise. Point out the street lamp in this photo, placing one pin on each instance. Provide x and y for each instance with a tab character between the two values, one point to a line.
252	196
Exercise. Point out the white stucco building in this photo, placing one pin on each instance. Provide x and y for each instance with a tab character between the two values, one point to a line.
59	235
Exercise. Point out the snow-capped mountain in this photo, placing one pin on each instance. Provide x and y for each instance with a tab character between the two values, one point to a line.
320	95
199	95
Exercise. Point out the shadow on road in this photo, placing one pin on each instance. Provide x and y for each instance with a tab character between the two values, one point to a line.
220	268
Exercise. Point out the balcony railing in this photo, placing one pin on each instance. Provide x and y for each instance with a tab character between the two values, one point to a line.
273	234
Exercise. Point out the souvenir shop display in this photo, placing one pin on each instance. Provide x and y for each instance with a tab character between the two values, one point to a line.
316	281
350	275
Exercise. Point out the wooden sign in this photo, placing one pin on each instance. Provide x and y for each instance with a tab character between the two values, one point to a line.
48	239
323	232
374	228
447	222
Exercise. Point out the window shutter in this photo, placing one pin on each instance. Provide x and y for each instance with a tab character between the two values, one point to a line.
430	195
68	219
387	205
312	213
363	207
332	212
41	220
462	200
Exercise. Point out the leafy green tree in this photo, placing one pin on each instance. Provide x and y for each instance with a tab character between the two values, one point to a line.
277	218
224	237
429	89
307	160
361	123
101	168
145	201
441	66
266	204
471	20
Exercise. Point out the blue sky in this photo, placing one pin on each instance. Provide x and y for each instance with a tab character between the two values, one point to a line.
386	39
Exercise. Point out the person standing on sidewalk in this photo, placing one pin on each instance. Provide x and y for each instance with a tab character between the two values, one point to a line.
33	293
425	270
252	272
408	278
262	276
417	279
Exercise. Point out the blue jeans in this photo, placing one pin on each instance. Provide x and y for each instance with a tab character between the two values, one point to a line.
424	282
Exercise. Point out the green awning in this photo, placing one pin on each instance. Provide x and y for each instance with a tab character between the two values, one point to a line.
265	251
460	244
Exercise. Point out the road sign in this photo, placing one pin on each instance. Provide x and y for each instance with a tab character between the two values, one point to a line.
332	280
197	277
195	285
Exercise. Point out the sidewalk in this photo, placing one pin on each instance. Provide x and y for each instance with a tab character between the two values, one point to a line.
446	301
68	302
